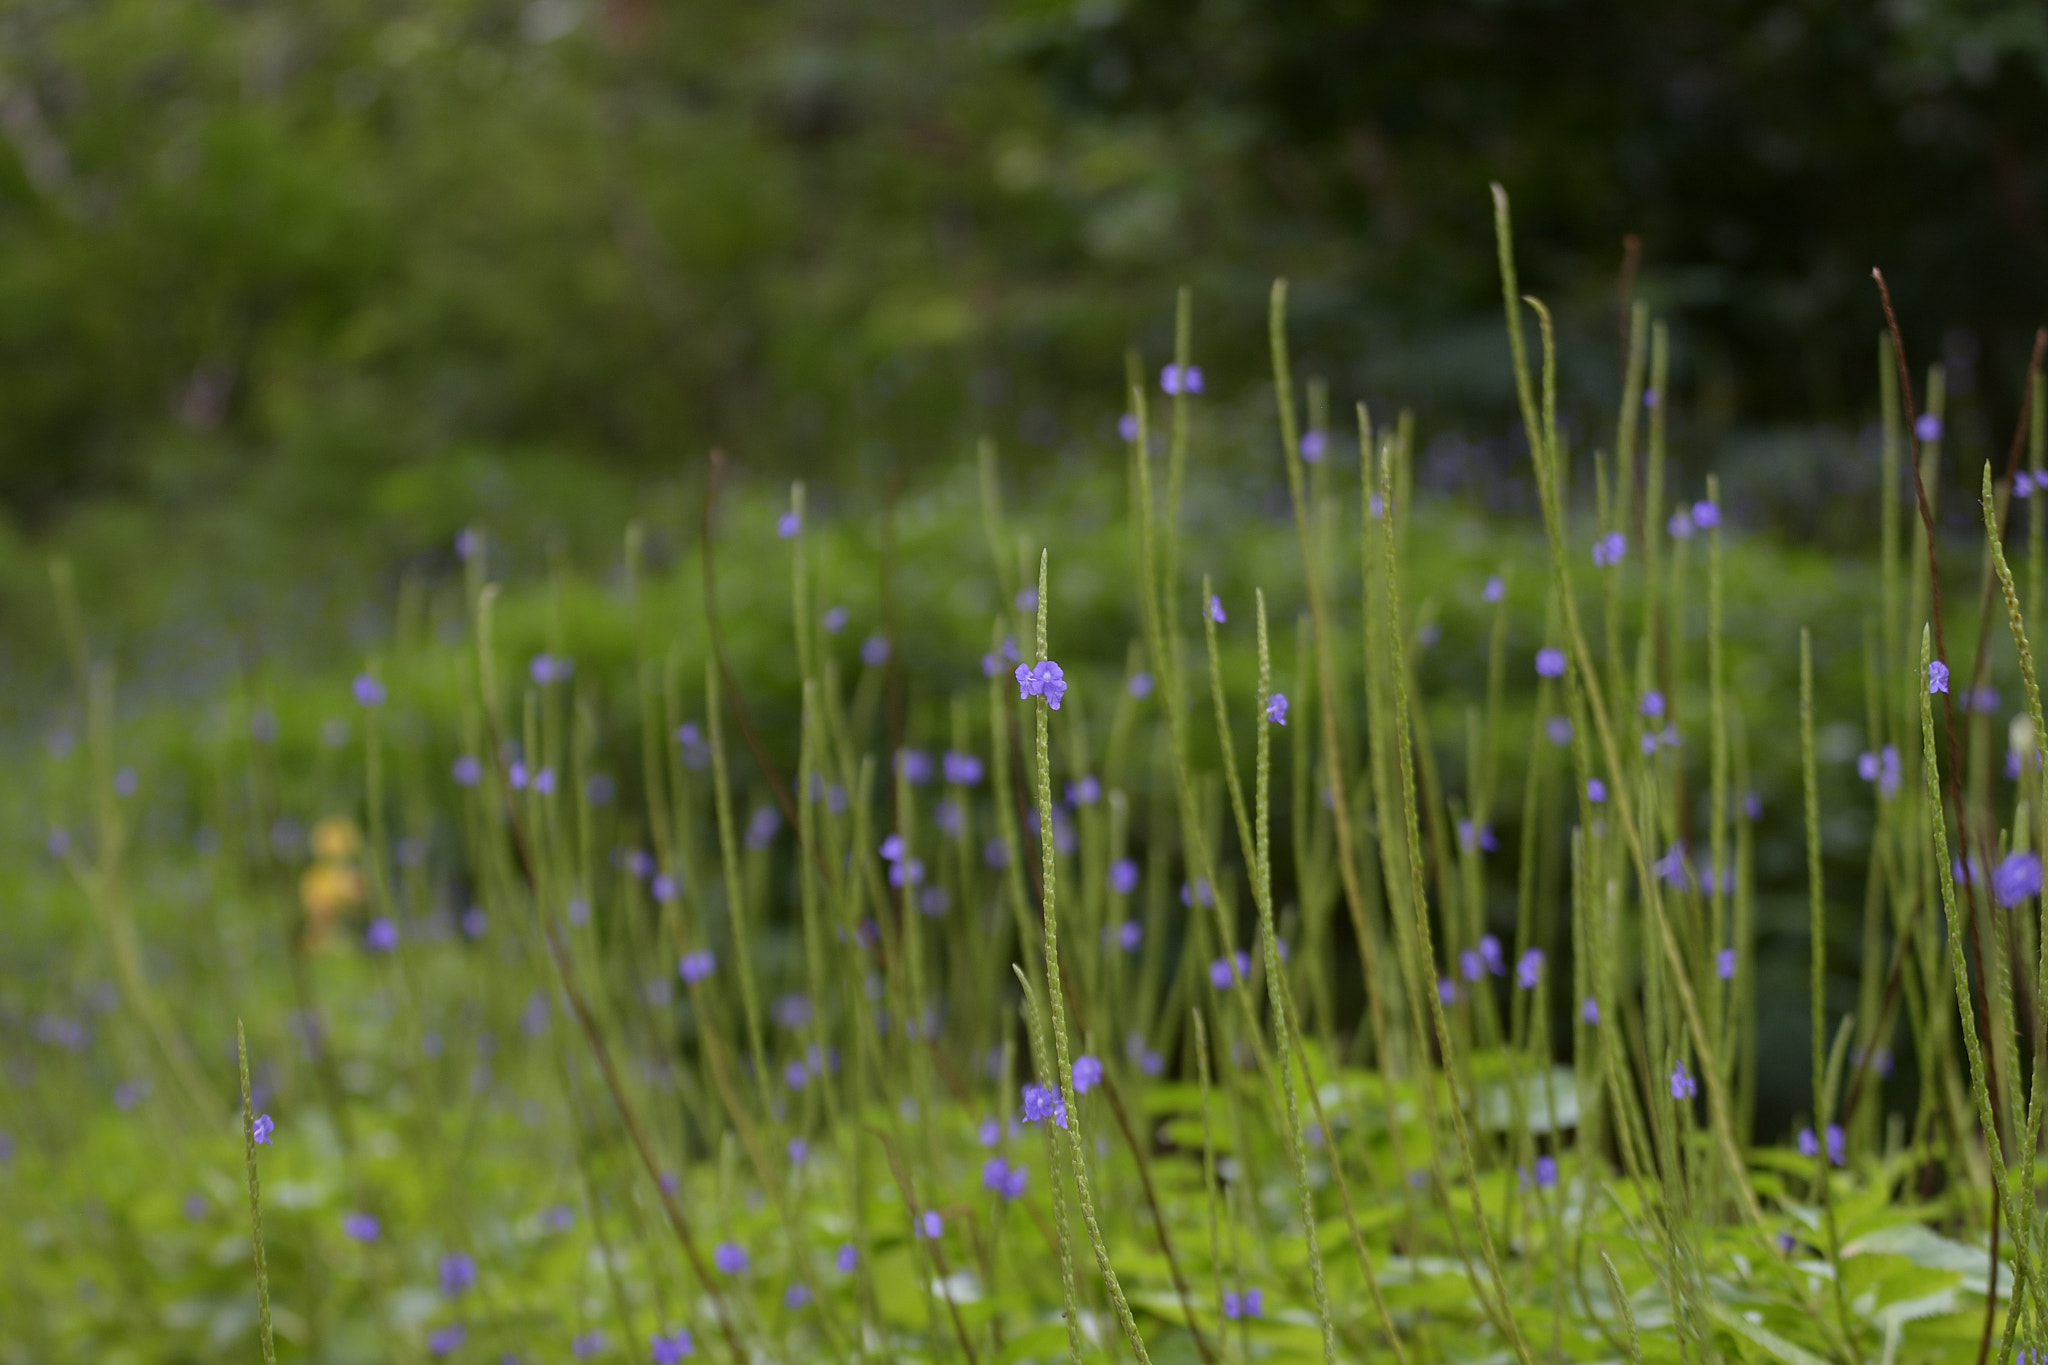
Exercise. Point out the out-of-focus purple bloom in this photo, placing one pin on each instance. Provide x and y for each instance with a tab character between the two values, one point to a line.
1471	836
874	651
1529	969
797	1296
1609	549
1550	662
125	782
1276	708
261	1129
1546	1172
1494	590
846	1258
1680	526
948	815
672	1348
1558	730
762	826
600	790
1085	790
730	1258
443	1340
1471	966
1140	685
467	542
1653	704
1683	1086
996	853
1176	379
929	1225
1490	953
1250	1304
962	770
1446	991
1314	445
1127	426
1087	1073
360	1227
1129	934
908	872
1706	515
666	888
1724	964
990	1132
934	901
587	1344
368	691
915	765
1589	1010
2023	485
1123	876
2017	878
1928	426
1753	806
788	525
695	966
1216	609
382	935
474	922
558	1218
1651	398
1221	975
1201	891
468	770
1596	790
457	1273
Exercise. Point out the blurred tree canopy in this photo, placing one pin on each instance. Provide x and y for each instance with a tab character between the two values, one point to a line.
323	255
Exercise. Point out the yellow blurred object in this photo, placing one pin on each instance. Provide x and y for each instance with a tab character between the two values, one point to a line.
335	840
333	885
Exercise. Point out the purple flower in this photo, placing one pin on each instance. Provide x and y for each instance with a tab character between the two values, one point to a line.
2017	878
2023	485
908	872
799	1151
672	1347
1609	549
995	1173
587	1344
1683	1086
360	1227
1129	934
929	1225
1558	730
1653	704
874	651
730	1258
474	922
369	692
1276	708
1681	525
1471	836
1176	379
797	1296
1127	426
1140	685
458	1273
467	542
1650	398
1123	876
1550	662
1047	680
696	966
915	765
443	1340
991	1130
382	935
1216	609
788	524
1529	969
1087	1073
1471	966
1753	806
1446	991
1494	590
1041	1102
1546	1172
1490	953
762	826
1724	964
847	1257
1201	891
1221	975
1596	790
962	770
1937	677
666	888
1589	1010
1314	445
1085	790
261	1129
996	853
1027	598
1928	426
1705	515
1251	1304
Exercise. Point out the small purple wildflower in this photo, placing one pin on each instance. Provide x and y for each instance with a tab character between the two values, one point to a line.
1589	1010
1314	445
1176	379
1558	730
1724	964
695	966
382	935
1123	876
874	651
1220	973
1276	708
261	1129
369	692
666	888
1650	399
672	1348
1129	935
2017	878
1087	1073
1446	991
467	542
797	1296
1937	677
962	770
1596	790
1251	1304
834	620
1609	549
1471	966
1216	609
1529	969
762	826
1928	426
1706	515
443	1340
1042	1102
1494	590
1047	680
1085	790
1140	685
1490	953
788	525
360	1227
1653	704
1683	1086
1127	426
930	1226
457	1273
1680	526
846	1258
1550	662
915	765
1546	1172
587	1344
730	1258
990	1132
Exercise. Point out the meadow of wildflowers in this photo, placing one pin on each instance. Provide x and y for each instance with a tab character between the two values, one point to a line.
1233	996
